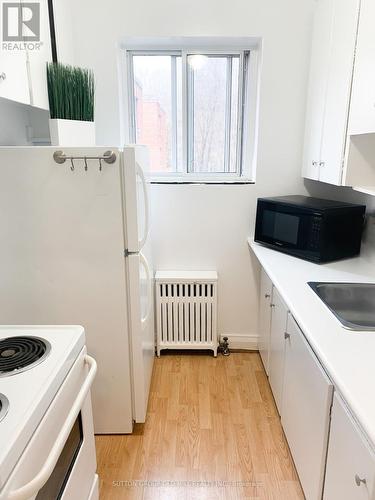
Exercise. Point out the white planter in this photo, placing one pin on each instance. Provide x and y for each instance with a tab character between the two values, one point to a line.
72	133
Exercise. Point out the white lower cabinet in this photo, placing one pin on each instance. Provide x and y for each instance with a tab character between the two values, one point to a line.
305	414
333	459
350	462
277	347
265	318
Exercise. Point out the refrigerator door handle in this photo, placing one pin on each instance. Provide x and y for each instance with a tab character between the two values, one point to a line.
141	175
144	262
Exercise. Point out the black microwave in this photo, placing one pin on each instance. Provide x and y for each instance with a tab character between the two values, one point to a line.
310	228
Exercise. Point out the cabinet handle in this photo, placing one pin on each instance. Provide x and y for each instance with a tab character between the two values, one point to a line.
286	335
359	481
314	163
272	305
267	296
321	164
3	76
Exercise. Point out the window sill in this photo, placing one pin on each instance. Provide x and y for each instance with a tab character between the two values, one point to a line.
182	180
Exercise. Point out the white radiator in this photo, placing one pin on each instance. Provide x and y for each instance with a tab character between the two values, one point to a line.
186	310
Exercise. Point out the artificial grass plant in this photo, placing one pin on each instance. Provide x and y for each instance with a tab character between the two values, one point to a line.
70	92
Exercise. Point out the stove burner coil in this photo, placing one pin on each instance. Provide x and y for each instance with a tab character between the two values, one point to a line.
4	406
18	354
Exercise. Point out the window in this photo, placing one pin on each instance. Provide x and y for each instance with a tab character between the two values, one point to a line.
194	111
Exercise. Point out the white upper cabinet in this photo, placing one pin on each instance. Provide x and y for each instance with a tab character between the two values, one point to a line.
14	83
340	70
23	64
359	171
331	72
340	116
13	60
38	59
317	88
362	109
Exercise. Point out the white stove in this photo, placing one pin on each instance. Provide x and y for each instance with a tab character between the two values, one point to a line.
45	412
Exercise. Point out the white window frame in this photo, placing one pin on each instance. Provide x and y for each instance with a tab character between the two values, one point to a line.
249	50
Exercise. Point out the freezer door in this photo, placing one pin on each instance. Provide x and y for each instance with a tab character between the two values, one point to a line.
141	328
136	197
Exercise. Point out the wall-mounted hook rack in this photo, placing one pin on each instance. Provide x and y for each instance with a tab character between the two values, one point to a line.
108	157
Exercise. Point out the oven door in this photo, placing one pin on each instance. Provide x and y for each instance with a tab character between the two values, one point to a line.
59	461
290	229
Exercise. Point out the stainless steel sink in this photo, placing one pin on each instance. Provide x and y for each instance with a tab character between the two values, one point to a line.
353	304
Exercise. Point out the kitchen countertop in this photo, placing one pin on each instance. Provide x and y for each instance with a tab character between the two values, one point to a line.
347	356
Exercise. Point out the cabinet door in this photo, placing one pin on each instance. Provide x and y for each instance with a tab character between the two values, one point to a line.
14	83
317	88
38	59
277	347
307	399
362	105
265	318
341	61
350	462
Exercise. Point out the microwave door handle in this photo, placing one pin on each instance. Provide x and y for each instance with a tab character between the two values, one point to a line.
30	489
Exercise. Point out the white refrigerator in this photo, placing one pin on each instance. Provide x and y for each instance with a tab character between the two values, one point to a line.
75	249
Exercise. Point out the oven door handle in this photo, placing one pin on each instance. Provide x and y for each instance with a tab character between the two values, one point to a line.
30	489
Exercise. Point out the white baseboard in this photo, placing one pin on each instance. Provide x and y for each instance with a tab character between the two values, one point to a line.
241	341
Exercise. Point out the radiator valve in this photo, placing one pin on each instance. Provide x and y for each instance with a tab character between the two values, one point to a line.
224	347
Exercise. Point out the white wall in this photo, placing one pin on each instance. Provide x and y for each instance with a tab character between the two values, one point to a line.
204	226
207	226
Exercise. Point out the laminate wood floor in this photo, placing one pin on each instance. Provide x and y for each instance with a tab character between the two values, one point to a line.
212	432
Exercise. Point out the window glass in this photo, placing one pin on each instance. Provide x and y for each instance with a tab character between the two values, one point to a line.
155	124
188	108
213	106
